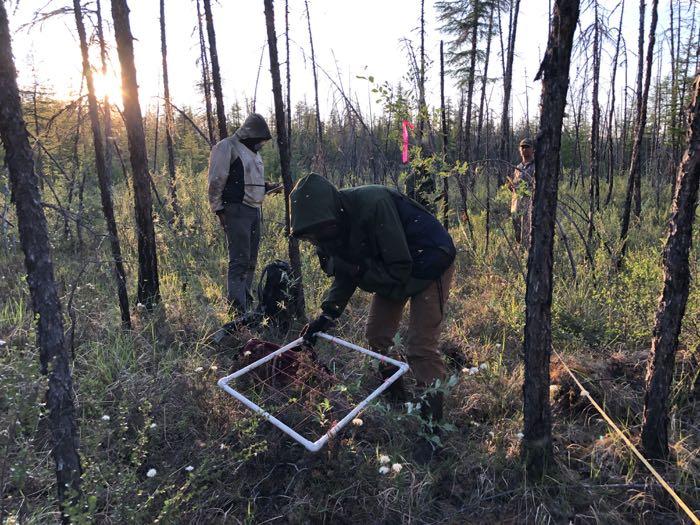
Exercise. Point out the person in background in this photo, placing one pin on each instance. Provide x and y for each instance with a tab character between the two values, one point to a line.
237	188
379	240
521	186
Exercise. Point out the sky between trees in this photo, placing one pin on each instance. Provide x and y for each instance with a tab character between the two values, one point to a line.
362	37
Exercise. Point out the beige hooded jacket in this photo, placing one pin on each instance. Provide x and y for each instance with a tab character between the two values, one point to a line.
225	152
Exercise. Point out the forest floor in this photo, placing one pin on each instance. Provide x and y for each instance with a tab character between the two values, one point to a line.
148	399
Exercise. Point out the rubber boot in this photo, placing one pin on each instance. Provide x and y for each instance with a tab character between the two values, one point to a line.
396	393
431	412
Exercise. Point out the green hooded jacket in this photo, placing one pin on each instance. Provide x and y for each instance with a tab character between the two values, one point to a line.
374	238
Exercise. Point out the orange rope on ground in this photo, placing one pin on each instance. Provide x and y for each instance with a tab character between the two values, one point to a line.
631	446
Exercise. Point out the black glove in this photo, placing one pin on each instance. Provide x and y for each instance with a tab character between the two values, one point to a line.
322	323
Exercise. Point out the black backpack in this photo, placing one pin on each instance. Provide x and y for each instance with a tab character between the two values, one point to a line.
277	294
432	249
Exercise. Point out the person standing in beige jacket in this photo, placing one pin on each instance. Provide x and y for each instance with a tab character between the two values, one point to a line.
237	188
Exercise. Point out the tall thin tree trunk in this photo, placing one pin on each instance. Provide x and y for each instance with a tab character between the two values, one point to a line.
674	297
422	110
445	183
34	239
75	175
319	124
484	81
81	209
168	119
641	101
625	115
289	78
459	146
283	145
106	106
611	112
673	43
594	189
554	72
634	178
148	290
487	211
215	72
507	86
471	76
155	137
206	84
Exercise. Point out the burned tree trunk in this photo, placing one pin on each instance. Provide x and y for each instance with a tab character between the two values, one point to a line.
422	109
283	145
470	87
675	293
106	106
554	72
445	180
148	291
634	179
611	112
594	190
103	177
319	125
168	118
215	72
289	78
34	239
206	85
484	81
507	86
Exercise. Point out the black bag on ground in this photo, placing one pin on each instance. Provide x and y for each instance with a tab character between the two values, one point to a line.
277	299
277	294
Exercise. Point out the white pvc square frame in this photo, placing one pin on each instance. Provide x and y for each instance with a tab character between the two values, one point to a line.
313	446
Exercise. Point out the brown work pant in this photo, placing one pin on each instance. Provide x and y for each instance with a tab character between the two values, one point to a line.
424	326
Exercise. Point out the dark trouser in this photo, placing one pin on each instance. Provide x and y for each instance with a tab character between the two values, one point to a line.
243	235
424	327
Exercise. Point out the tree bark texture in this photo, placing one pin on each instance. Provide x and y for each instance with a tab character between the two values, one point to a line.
215	72
148	290
554	72
34	239
283	145
674	297
168	118
103	177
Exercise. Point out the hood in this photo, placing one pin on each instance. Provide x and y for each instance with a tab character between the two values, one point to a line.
254	127
313	201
